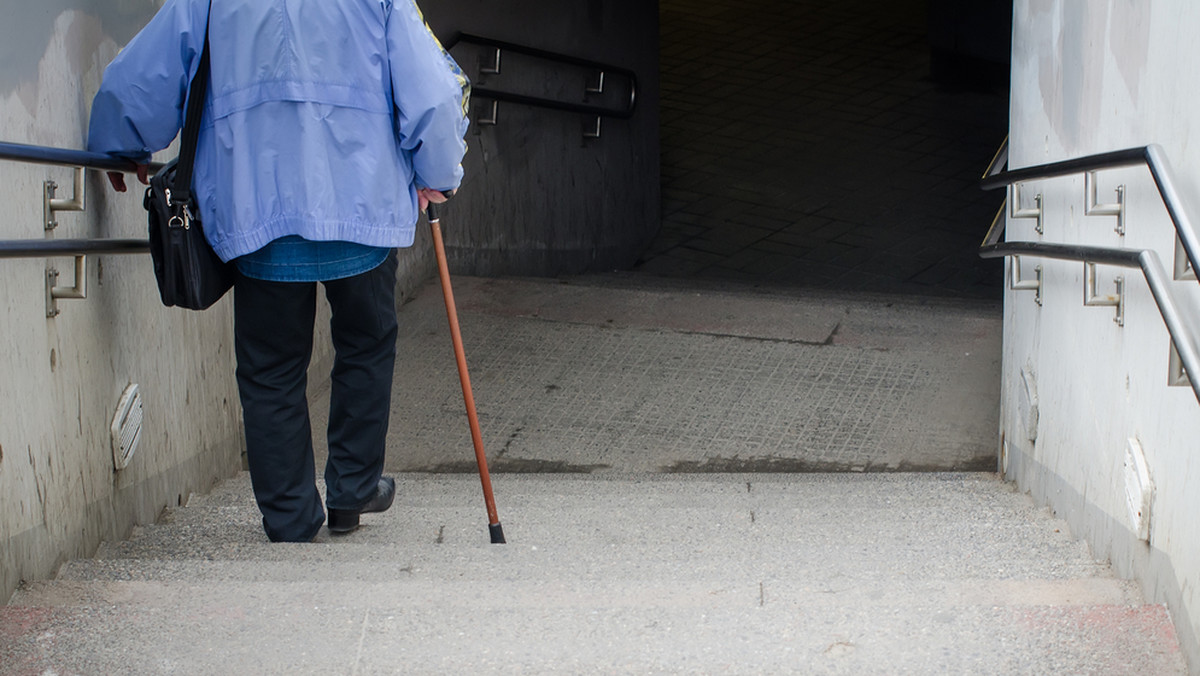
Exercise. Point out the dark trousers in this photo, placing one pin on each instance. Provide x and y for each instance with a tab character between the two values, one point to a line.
273	334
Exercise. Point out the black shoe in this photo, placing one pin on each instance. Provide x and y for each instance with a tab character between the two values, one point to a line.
346	520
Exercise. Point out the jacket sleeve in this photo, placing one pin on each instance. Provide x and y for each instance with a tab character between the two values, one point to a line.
139	107
431	95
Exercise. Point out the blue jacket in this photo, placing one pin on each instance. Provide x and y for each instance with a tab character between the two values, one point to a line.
321	120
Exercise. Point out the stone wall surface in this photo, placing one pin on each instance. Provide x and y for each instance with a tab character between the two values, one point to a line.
1087	78
63	377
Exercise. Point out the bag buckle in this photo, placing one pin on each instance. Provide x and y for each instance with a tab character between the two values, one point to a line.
181	219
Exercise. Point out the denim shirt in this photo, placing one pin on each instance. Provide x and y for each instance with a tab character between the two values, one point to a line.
322	117
295	259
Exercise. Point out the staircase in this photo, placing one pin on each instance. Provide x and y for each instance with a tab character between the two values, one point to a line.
750	574
667	558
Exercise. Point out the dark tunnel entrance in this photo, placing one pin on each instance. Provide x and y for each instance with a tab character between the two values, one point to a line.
832	145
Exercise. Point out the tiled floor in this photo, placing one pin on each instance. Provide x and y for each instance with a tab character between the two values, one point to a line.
574	377
804	144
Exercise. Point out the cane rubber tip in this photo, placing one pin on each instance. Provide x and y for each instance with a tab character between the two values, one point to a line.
497	533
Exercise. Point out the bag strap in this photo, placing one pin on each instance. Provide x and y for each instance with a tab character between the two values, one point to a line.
181	192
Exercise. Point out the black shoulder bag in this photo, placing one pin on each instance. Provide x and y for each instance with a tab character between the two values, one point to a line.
189	273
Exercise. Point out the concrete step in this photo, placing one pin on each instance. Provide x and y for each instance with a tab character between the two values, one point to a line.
432	588
753	573
381	566
671	639
619	627
972	525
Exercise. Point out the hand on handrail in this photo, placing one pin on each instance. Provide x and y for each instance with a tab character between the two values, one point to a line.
117	178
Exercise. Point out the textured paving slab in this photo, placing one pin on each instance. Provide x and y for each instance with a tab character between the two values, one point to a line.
743	574
609	374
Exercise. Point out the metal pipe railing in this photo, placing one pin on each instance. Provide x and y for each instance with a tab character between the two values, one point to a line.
50	248
1152	156
1144	259
80	249
78	159
624	111
63	157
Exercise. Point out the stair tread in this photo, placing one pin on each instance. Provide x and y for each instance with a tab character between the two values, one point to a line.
694	634
416	587
635	574
972	525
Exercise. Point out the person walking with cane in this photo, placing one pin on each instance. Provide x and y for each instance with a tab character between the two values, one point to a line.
327	127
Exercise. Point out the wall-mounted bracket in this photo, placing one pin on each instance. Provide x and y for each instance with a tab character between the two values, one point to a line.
1183	266
492	68
52	204
1016	283
1093	299
1014	201
54	292
1176	375
493	116
1092	206
597	88
593	130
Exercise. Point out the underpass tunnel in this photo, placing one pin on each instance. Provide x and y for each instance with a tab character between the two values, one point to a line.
789	143
831	145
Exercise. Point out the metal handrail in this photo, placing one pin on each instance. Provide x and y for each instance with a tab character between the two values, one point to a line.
1152	156
543	102
78	159
51	248
1144	259
79	249
63	157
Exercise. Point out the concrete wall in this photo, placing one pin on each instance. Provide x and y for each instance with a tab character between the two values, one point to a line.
62	377
1089	77
538	200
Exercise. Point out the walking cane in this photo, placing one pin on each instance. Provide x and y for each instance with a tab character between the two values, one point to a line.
494	528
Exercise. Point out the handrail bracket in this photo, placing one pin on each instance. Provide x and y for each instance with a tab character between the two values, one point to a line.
1183	266
592	131
1176	374
493	115
52	204
492	67
54	292
1014	201
1092	206
1016	283
1093	299
597	88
